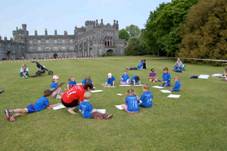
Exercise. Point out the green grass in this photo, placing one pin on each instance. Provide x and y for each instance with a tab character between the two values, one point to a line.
195	122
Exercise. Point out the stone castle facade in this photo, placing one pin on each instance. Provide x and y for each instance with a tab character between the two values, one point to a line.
93	39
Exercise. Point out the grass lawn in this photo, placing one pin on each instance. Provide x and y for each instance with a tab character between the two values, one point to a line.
195	122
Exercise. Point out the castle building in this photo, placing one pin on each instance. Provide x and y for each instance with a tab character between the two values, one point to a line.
94	39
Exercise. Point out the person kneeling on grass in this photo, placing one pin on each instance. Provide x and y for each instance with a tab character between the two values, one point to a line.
135	80
177	84
131	103
87	112
146	97
71	98
41	104
71	82
89	81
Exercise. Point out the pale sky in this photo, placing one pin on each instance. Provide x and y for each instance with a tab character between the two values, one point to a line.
66	14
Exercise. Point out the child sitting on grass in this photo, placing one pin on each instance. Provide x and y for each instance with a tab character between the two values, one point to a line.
110	81
146	98
86	110
177	84
166	77
131	103
153	76
41	104
54	86
135	80
125	79
24	72
88	80
71	82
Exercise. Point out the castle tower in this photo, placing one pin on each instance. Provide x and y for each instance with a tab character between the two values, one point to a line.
21	35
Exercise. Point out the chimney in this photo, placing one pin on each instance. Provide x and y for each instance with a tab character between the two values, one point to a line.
55	32
36	33
65	33
46	33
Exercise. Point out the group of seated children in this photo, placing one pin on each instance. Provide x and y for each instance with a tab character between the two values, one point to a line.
179	66
140	66
126	80
133	102
24	71
166	79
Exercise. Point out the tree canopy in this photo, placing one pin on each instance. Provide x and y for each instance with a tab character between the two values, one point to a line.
204	34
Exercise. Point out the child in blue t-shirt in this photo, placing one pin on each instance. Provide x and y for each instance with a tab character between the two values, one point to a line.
55	87
87	111
146	99
110	81
125	79
166	77
40	104
71	82
177	84
135	80
131	103
88	80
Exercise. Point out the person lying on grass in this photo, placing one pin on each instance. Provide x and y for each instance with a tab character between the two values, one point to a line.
166	77
71	82
110	81
40	104
140	66
72	97
146	99
87	112
131	103
177	84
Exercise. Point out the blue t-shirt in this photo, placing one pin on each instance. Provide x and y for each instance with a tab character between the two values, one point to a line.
177	86
41	103
53	85
110	81
71	83
135	78
166	76
132	104
86	109
140	66
85	81
146	99
124	77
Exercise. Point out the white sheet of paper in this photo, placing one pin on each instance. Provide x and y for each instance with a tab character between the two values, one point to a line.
157	87
165	91
119	94
124	85
96	91
175	96
203	76
58	106
119	107
103	111
217	75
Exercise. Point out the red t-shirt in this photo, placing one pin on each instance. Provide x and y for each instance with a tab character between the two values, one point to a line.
74	93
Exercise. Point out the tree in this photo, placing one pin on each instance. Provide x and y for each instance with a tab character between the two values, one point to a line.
162	30
123	34
133	31
134	47
204	33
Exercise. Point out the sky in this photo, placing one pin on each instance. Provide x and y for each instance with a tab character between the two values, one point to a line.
66	14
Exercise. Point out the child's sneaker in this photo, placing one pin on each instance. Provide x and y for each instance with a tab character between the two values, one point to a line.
7	114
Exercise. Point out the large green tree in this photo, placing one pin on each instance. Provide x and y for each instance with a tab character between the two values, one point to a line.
161	34
133	30
204	34
123	34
